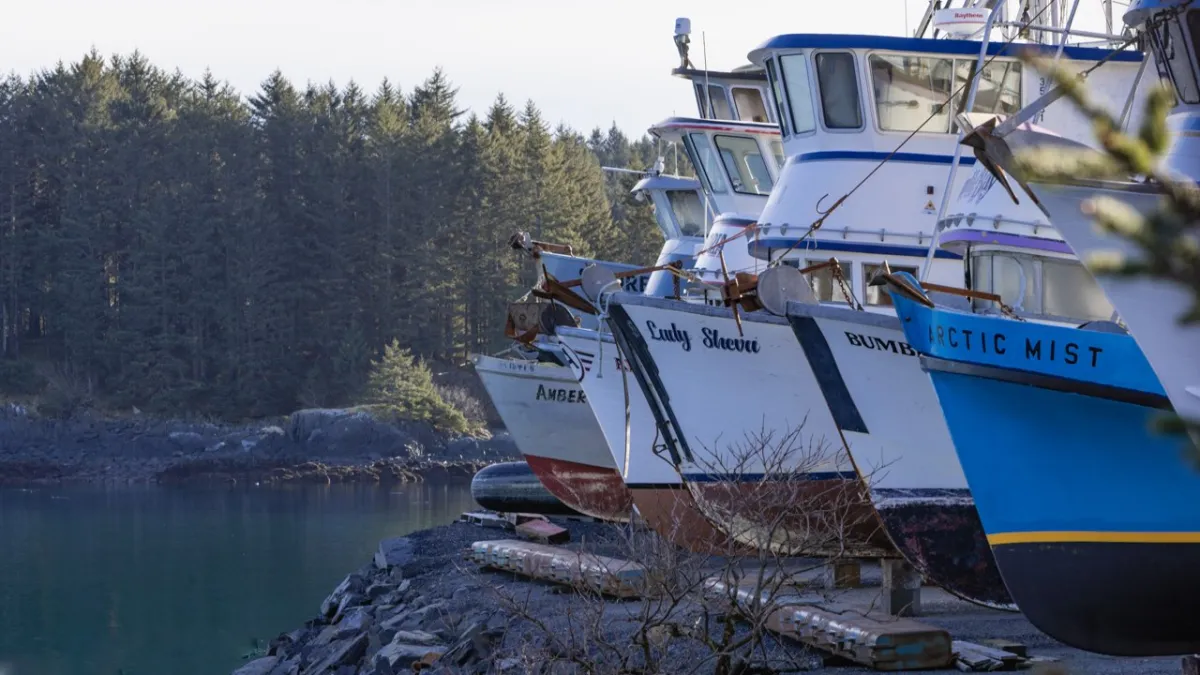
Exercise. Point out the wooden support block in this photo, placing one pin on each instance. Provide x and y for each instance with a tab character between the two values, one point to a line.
1190	664
901	588
519	518
543	531
1008	646
843	574
883	644
485	519
984	658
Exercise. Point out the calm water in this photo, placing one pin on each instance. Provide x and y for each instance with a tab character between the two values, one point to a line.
178	581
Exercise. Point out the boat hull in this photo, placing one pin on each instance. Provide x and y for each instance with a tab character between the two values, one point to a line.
662	500
1091	515
765	470
886	409
546	412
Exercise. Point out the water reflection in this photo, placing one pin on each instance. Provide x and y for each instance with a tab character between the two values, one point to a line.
178	581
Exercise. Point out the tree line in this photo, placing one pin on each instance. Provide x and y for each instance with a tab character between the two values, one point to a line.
169	244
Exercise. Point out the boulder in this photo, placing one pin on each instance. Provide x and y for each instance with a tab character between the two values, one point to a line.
400	655
341	653
188	441
356	620
394	552
325	431
258	666
353	583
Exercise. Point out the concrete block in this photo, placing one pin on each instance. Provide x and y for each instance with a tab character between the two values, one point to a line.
842	574
901	588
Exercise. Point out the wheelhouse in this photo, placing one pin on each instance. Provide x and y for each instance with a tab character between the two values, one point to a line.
737	163
879	113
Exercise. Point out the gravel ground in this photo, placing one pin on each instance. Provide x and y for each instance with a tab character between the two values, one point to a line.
423	595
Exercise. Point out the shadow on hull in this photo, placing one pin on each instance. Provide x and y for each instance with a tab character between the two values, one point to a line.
943	538
795	516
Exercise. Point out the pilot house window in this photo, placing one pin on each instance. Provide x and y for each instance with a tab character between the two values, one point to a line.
1172	50
839	90
749	104
745	164
715	105
913	92
794	69
689	211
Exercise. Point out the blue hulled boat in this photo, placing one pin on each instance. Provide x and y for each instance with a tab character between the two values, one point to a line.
1090	512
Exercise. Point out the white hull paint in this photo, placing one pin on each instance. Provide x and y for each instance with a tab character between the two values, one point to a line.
612	391
891	421
692	344
545	410
1149	307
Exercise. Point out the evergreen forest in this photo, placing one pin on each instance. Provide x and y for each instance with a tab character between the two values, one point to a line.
173	245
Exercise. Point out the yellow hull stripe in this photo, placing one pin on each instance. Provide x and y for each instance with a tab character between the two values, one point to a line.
1094	537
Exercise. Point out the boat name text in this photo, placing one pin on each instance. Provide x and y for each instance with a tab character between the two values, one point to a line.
712	339
1034	349
545	393
671	334
872	342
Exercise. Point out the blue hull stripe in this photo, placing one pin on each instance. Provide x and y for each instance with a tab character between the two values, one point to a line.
769	477
829	377
864	156
817	245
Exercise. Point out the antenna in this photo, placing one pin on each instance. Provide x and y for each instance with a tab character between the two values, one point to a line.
708	98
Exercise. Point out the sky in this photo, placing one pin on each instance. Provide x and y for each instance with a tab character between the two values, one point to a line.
585	64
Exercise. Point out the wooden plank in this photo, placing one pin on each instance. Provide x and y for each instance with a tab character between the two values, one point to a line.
611	576
543	531
888	645
485	519
1007	646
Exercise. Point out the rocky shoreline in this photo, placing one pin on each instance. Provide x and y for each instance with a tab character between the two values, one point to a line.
309	446
420	606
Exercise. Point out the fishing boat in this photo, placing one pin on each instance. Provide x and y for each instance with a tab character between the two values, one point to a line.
568	453
857	111
619	405
1090	514
1150	308
538	395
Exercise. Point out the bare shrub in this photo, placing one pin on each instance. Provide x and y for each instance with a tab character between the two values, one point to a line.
701	612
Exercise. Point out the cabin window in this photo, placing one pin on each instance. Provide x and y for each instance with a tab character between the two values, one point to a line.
717	105
878	295
709	166
689	211
839	90
1040	286
749	104
794	69
999	90
908	89
777	94
824	285
777	150
1172	52
1069	290
744	162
